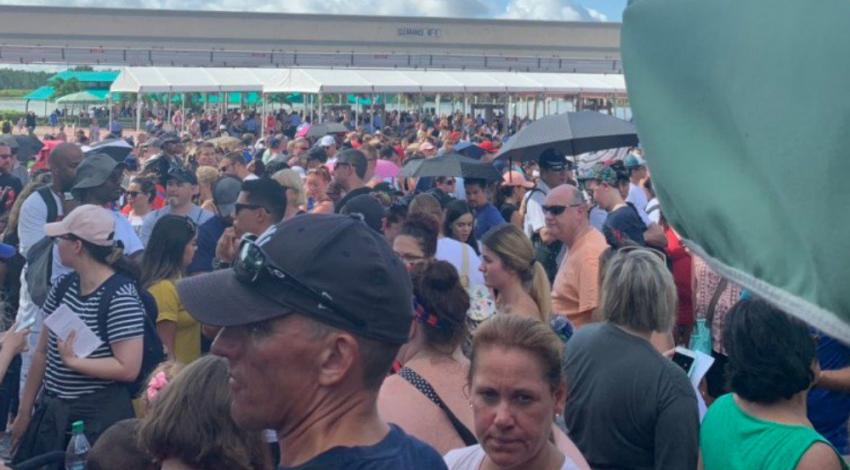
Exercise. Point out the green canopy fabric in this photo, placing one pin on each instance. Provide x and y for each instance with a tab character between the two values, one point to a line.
44	93
99	76
88	96
742	109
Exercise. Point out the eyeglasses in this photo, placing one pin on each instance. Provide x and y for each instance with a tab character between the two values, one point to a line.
558	210
68	236
253	267
132	194
240	207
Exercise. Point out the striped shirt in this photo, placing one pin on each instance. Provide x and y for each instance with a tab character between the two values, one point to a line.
125	320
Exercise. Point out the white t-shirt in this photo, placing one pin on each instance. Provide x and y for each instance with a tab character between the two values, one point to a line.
653	210
535	219
637	196
471	458
451	250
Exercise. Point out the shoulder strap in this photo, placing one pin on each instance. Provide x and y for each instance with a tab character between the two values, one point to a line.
65	284
425	388
52	210
712	305
110	287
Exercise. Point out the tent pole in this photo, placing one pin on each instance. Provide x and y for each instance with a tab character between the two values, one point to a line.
437	100
263	115
182	111
138	112
321	107
109	103
372	112
465	104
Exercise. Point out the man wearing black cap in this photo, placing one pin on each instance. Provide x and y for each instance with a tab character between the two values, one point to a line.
555	170
171	156
225	192
180	186
312	316
350	173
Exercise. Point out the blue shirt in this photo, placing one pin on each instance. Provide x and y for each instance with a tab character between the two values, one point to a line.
208	234
829	410
397	451
487	217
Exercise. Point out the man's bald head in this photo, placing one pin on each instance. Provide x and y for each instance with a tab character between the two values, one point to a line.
567	213
63	162
565	195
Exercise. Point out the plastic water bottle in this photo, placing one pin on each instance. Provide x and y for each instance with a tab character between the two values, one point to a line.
78	448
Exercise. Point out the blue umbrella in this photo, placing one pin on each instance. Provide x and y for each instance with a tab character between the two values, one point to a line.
468	149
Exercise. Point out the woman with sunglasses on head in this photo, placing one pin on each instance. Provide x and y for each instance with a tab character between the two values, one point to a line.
316	188
460	222
510	269
426	398
90	388
140	197
170	250
417	240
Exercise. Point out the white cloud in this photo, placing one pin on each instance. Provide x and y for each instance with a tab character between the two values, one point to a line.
552	10
444	8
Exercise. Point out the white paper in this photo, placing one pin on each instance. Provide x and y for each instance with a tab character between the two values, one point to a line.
702	362
63	321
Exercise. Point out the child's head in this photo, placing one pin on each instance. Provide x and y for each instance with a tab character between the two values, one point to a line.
118	447
158	379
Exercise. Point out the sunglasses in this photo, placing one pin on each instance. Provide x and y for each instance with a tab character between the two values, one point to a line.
253	267
240	207
558	210
132	194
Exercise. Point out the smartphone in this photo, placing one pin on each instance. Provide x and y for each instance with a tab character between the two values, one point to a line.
684	358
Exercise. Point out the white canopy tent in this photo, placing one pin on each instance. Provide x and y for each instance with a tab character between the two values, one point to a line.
140	80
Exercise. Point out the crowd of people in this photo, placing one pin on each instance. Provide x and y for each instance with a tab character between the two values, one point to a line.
289	301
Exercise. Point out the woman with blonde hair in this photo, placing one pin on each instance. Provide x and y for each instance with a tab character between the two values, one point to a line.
207	176
510	269
516	390
189	426
615	376
296	200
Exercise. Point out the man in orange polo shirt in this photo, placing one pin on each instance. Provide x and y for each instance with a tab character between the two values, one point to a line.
575	292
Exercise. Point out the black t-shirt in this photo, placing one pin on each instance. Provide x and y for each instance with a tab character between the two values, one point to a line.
624	223
397	451
351	195
10	187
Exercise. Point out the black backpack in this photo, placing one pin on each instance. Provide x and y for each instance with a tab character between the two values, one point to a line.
153	352
40	255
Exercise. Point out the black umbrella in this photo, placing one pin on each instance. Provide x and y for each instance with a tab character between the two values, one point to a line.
570	134
468	149
451	164
321	130
28	146
118	149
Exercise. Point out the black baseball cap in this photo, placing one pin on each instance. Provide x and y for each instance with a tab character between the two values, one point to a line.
181	174
363	286
169	138
369	208
553	160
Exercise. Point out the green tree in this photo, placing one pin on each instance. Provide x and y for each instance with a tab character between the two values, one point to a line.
83	68
65	87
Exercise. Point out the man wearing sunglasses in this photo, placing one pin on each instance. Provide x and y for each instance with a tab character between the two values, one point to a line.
575	292
555	170
312	316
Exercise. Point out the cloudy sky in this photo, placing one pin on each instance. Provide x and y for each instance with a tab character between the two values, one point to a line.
568	10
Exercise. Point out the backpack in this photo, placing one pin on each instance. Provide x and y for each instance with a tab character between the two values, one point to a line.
40	255
153	352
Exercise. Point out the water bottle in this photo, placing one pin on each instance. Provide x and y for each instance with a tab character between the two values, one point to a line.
78	448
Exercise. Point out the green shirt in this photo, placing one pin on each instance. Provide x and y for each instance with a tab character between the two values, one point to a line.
733	440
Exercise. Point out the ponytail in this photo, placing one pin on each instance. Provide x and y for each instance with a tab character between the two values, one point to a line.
113	256
540	291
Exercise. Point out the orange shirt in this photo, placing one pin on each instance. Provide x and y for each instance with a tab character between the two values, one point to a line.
575	292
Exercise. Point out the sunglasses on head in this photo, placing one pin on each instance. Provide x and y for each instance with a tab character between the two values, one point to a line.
557	210
254	267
